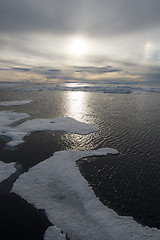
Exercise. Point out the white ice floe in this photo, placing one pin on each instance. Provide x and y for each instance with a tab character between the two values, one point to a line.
9	117
57	186
6	169
15	103
18	132
54	233
58	124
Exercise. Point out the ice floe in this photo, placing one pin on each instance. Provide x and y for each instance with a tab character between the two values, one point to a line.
57	186
15	103
15	135
7	118
6	169
58	124
54	233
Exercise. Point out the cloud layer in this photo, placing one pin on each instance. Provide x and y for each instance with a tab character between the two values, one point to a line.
123	34
90	16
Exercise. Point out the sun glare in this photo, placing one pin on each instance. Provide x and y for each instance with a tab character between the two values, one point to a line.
78	47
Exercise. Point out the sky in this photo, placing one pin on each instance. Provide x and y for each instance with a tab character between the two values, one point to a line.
80	40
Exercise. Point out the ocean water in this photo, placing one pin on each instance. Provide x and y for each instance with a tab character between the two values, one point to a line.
129	121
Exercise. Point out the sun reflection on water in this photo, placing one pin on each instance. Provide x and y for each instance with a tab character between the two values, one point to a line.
76	105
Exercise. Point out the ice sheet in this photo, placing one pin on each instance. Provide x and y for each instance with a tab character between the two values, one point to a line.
57	186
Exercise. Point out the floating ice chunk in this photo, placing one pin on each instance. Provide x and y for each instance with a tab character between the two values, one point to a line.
58	124
57	186
15	103
6	169
16	134
54	233
9	117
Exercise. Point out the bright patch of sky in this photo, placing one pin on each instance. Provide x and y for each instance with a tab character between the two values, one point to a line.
60	35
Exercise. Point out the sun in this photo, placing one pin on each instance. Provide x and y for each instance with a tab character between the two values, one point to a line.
78	47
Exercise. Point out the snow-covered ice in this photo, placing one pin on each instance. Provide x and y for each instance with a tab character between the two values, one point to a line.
58	124
57	186
6	169
9	117
53	233
18	132
15	103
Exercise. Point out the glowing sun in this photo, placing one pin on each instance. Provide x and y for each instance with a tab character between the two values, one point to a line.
78	47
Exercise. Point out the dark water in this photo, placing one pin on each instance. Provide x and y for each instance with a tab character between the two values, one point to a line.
20	220
129	182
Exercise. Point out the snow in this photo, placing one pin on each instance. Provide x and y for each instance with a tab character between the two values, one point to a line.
58	124
18	132
57	186
15	103
9	117
6	169
53	233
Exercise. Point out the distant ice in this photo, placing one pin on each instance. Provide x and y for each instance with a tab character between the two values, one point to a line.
16	134
6	169
57	186
53	233
15	103
102	88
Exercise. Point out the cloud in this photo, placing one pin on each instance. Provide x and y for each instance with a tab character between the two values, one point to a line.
34	38
54	70
87	16
70	73
96	70
21	69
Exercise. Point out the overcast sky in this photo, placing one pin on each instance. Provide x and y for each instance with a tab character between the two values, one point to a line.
119	40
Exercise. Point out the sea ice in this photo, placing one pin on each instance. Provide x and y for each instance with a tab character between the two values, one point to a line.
15	103
7	118
57	186
53	233
18	132
66	124
87	87
6	169
10	117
